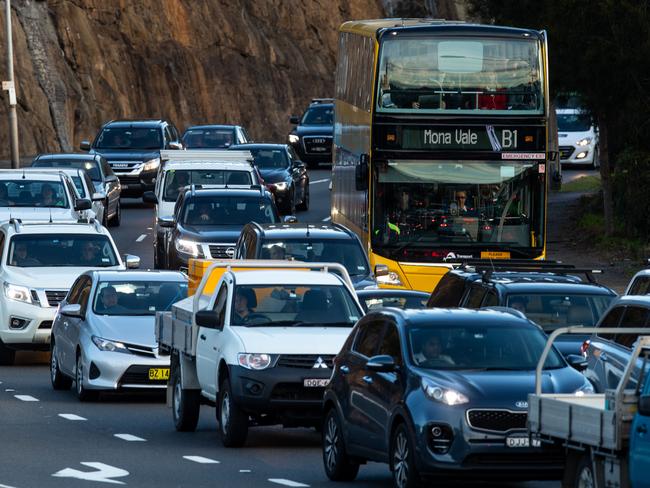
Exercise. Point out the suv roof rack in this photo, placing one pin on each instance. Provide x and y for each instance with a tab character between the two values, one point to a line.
193	187
566	269
211	155
316	101
19	224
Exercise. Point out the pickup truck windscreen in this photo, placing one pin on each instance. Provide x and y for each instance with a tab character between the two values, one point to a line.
294	306
137	297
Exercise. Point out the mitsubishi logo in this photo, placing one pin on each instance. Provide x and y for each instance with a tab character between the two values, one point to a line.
319	363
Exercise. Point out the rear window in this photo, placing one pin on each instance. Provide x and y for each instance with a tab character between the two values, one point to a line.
91	167
209	138
229	211
176	180
448	293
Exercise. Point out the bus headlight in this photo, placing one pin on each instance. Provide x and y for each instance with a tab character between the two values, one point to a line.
391	278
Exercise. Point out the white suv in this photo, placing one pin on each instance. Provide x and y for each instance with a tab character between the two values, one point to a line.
39	261
577	137
40	195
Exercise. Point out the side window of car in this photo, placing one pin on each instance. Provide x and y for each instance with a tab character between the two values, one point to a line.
168	136
75	291
491	299
220	303
612	319
245	134
390	344
633	317
251	245
368	339
475	297
641	286
84	296
448	293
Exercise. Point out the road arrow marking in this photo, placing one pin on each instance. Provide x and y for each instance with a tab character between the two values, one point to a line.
201	459
103	473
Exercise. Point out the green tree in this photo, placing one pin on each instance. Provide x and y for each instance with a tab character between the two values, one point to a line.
601	49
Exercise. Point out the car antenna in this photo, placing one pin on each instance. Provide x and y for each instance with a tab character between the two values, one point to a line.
23	173
50	215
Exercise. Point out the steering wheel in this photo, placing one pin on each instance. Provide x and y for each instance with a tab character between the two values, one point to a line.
256	318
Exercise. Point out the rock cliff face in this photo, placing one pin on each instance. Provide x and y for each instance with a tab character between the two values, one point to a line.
79	63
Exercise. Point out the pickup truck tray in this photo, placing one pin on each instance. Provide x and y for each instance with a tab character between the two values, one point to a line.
174	330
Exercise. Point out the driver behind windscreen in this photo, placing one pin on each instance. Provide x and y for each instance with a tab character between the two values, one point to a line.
245	302
431	352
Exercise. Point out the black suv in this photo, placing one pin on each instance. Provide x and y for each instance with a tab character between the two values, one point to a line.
207	222
132	148
312	135
549	296
283	173
323	243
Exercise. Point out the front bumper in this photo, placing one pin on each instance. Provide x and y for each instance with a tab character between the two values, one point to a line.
105	370
476	453
569	155
280	392
135	183
34	332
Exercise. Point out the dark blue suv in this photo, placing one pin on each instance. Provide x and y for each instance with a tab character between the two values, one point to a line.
132	148
441	393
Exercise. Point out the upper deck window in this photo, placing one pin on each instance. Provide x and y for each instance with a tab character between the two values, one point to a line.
419	74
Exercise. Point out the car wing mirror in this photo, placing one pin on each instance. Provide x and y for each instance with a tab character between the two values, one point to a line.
289	219
131	261
175	145
149	197
111	178
208	319
381	270
84	145
166	223
83	204
98	196
72	310
577	362
294	119
382	364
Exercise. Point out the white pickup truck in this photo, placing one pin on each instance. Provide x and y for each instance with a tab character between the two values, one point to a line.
259	344
605	435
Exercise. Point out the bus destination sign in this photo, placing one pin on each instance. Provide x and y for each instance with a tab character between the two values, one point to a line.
458	138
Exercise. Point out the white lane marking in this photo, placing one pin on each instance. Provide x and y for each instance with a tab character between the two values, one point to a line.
26	398
327	219
201	460
326	180
281	481
9	389
130	438
103	473
6	486
71	416
141	238
244	470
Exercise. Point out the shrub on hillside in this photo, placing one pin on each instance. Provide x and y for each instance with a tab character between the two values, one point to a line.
631	191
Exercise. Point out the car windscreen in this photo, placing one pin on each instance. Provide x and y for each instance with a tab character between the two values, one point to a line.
130	138
552	311
91	167
234	210
45	250
294	306
480	347
177	180
579	122
399	301
348	252
137	297
318	115
270	158
209	138
33	193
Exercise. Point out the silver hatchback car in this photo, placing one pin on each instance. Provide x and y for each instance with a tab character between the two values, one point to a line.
103	334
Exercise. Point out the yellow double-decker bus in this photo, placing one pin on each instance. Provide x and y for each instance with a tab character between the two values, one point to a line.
441	144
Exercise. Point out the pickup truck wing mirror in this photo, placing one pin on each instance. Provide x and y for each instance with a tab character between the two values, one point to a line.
208	319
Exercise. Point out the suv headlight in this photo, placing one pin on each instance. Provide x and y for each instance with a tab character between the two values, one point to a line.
254	361
294	139
443	395
392	278
187	247
110	346
18	293
280	185
584	141
151	164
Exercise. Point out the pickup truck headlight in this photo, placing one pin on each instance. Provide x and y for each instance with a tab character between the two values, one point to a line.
443	395
254	361
585	141
187	247
294	139
392	278
281	185
18	293
110	346
151	164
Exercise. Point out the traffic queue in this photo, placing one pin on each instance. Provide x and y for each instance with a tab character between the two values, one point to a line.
275	322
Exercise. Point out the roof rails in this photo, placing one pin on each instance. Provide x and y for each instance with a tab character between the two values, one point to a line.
316	101
486	272
19	224
225	155
195	187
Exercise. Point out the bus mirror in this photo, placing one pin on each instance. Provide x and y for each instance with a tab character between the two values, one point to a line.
361	173
552	155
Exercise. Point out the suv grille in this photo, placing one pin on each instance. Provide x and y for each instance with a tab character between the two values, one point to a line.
222	251
566	151
496	420
318	144
54	297
306	361
128	179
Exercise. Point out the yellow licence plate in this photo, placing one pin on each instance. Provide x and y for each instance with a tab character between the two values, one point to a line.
495	255
158	373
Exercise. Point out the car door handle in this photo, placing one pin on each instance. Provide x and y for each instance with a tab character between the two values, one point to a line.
367	379
642	429
345	369
202	337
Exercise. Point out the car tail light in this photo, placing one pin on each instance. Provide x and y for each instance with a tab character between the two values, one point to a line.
585	347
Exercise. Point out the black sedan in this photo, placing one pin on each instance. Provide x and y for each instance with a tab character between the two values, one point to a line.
373	298
284	174
442	393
